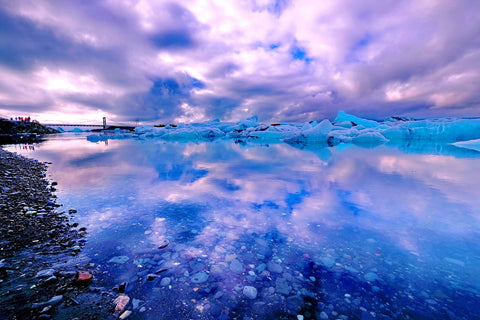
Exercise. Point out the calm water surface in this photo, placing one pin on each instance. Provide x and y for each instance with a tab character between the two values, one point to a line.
272	231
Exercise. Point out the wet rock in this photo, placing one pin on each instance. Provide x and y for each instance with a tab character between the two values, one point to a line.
199	277
282	286
120	304
125	314
161	270
83	277
136	303
327	262
323	315
250	292
163	244
119	259
236	266
274	267
52	302
151	277
165	281
45	273
371	276
50	280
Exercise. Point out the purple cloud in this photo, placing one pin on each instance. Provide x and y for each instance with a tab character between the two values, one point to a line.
281	60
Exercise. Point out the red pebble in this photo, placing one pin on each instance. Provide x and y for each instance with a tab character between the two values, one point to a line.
84	276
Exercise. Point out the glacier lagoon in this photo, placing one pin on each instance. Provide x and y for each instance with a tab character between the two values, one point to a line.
261	229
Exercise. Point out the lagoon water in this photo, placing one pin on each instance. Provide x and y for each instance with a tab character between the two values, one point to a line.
270	231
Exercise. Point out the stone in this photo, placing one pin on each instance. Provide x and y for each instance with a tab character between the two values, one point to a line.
53	301
119	259
45	273
163	244
125	314
120	304
136	303
236	266
323	315
282	286
199	277
50	280
165	281
83	277
327	262
371	276
274	267
250	292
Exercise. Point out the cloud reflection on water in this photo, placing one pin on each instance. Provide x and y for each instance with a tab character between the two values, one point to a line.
315	198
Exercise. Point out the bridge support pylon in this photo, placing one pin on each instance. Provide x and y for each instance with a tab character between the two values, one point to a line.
104	123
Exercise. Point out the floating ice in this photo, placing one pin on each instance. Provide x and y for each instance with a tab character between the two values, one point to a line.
343	117
346	129
470	144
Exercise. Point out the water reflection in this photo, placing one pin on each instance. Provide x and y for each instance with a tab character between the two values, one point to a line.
235	212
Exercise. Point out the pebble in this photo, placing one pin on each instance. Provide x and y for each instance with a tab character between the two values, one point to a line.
165	281
371	276
327	262
163	244
83	277
236	266
274	267
53	301
199	277
45	273
323	315
282	286
125	314
135	303
250	292
119	259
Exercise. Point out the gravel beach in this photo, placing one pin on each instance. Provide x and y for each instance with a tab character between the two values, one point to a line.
43	274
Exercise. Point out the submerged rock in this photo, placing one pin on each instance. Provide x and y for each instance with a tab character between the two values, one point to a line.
119	259
250	292
199	277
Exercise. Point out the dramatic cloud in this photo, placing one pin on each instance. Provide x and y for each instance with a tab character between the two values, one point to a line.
194	60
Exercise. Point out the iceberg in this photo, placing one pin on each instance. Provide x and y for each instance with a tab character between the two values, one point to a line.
470	144
369	139
447	135
343	117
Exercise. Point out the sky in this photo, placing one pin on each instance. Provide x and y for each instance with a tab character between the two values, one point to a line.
189	61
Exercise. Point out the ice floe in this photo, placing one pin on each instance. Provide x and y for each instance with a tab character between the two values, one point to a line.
345	128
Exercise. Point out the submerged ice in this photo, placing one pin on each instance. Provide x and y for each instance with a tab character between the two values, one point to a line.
345	128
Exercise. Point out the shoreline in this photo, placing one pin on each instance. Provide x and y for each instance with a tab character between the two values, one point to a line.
40	249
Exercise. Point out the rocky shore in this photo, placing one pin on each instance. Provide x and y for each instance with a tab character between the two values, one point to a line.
43	274
22	131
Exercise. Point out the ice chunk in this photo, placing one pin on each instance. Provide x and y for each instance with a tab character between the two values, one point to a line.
447	130
470	144
249	122
78	130
369	139
319	132
192	133
277	133
342	116
344	124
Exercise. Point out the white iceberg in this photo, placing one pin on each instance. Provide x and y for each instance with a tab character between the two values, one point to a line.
470	144
342	117
369	139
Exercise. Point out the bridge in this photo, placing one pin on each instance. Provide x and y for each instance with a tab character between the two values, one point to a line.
71	125
103	126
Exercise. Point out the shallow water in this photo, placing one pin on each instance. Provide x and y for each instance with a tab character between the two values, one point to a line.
382	233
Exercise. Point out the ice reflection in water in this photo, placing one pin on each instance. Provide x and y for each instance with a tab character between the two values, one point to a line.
345	231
